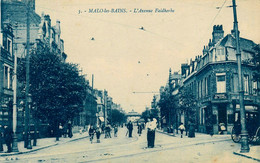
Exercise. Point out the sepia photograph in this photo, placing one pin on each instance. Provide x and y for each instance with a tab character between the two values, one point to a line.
129	81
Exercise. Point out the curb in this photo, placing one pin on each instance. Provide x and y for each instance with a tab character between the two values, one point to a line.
166	133
243	155
44	147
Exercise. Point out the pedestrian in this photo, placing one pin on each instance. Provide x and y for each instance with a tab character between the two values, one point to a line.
115	131
91	133
98	133
139	129
191	130
222	128
70	130
109	131
60	130
130	129
151	126
181	128
8	136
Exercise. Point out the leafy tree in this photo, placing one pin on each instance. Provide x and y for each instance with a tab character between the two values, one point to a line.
57	89
117	117
168	106
256	61
187	103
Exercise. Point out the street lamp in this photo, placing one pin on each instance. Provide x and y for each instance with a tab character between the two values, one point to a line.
14	145
29	144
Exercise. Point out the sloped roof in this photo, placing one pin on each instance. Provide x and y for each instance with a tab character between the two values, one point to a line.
15	11
229	40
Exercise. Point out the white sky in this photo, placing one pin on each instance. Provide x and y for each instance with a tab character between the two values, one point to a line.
169	39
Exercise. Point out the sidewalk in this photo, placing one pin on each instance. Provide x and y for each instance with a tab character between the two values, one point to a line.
253	154
43	143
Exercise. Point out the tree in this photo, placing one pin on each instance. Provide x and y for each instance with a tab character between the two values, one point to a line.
187	104
56	88
256	62
168	106
117	117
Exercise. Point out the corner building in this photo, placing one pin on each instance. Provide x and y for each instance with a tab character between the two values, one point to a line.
213	79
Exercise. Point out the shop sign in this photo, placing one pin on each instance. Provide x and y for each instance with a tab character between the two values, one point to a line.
222	96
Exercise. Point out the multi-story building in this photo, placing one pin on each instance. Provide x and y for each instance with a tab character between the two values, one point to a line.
13	20
6	74
213	79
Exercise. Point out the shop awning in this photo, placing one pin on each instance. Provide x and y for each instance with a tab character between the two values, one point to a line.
101	119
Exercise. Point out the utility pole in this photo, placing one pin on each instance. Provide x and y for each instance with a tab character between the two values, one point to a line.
244	134
27	142
105	105
14	145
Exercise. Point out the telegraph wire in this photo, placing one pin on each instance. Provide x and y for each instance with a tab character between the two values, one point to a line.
213	20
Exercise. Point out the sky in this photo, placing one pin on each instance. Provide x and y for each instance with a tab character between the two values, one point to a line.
125	59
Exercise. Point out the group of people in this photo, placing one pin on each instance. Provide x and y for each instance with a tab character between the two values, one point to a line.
65	130
150	125
190	130
99	130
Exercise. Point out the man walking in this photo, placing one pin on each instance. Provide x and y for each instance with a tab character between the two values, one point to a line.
130	128
139	129
8	136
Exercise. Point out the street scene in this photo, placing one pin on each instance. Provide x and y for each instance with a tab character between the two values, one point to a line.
123	149
129	81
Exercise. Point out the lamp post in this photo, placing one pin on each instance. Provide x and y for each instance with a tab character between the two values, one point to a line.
244	134
14	145
27	98
29	144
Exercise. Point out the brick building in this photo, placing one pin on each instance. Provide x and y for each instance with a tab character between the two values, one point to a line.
213	79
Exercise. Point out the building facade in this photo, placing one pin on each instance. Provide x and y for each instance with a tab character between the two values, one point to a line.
213	79
6	74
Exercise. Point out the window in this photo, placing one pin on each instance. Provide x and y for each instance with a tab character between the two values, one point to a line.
235	83
208	85
9	46
220	54
246	84
7	77
254	86
221	83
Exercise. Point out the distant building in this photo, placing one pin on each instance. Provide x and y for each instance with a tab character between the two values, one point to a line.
133	116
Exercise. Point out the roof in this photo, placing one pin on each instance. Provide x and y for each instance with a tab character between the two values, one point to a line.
16	11
230	40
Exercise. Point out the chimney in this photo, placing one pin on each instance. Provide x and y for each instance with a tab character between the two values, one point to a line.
217	33
184	67
47	21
